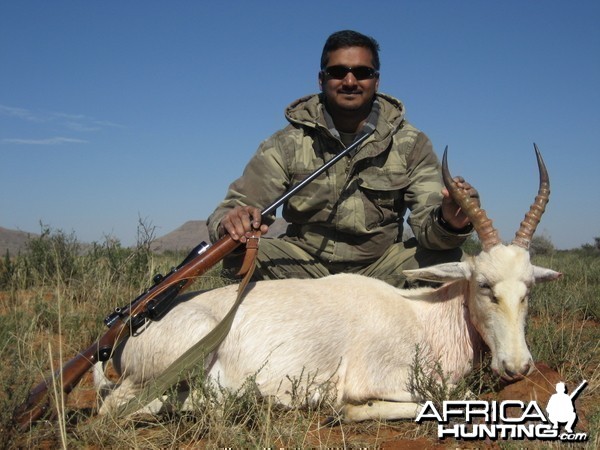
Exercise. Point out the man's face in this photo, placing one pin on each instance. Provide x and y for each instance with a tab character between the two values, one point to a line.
349	94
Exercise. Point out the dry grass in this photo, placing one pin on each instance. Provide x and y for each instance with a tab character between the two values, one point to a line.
50	311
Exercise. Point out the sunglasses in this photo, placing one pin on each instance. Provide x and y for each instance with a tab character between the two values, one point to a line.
359	72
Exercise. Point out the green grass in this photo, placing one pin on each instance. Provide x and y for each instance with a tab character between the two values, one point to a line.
54	298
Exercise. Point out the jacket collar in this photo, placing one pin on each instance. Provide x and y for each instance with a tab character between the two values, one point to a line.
309	111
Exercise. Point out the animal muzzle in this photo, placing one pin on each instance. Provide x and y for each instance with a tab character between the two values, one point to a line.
509	371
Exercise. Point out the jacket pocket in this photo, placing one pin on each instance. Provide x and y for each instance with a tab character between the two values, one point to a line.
382	194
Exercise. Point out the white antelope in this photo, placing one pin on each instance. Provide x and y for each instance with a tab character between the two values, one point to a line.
357	335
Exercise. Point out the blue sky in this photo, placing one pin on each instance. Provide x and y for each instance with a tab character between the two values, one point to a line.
114	111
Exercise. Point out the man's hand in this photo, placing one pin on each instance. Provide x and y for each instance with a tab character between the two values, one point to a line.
240	221
451	212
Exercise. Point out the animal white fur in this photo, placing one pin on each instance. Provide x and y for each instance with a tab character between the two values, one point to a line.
356	333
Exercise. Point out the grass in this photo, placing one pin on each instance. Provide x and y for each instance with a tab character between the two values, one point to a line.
53	300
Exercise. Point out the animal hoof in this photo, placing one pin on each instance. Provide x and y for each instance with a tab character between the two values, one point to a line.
330	422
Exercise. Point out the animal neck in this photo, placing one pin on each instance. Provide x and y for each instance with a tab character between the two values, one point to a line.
452	338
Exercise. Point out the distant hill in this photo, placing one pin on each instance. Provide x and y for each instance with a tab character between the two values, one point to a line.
191	233
13	240
184	238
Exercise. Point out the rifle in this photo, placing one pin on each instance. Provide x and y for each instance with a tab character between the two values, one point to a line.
152	304
578	390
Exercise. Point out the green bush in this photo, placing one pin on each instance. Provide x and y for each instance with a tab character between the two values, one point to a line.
52	257
6	271
541	245
592	249
472	246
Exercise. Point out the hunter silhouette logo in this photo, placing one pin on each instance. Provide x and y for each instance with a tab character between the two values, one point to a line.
561	407
480	419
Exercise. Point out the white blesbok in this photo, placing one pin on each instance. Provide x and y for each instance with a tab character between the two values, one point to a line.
357	335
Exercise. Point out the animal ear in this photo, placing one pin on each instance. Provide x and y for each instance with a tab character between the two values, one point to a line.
542	274
441	272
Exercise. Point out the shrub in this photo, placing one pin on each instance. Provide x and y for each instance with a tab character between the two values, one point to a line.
541	245
592	249
472	245
6	271
52	256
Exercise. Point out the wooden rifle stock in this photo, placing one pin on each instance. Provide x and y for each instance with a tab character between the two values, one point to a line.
125	321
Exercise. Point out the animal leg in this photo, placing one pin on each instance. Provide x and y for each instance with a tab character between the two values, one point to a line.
101	382
127	391
117	397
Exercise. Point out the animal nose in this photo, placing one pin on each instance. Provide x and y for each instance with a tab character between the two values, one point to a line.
513	372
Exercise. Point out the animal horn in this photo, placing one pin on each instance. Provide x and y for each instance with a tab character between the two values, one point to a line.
532	218
488	235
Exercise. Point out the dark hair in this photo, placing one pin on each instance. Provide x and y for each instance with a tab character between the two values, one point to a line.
349	38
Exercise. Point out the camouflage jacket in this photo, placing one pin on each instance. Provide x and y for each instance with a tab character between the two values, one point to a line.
356	210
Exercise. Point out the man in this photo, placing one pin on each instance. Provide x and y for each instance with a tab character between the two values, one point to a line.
349	219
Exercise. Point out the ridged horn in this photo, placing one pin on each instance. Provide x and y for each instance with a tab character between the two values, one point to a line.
532	218
488	235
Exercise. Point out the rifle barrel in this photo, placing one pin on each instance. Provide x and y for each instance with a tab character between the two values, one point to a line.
281	200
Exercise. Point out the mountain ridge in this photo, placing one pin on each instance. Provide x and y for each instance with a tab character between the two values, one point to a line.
183	238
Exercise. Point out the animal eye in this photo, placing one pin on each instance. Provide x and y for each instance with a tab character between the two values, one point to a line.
487	289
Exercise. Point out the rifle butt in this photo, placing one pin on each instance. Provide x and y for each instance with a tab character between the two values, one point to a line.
35	407
39	402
